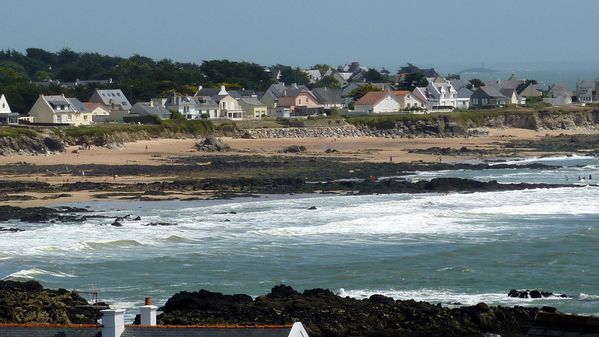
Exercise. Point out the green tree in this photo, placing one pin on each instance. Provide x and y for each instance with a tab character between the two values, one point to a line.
323	68
475	83
291	75
374	76
413	80
327	81
357	93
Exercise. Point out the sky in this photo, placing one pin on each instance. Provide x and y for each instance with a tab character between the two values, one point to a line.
378	33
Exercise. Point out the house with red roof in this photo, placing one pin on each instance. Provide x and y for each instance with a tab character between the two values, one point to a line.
113	325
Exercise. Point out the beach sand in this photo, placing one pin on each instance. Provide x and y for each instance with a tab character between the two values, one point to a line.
163	151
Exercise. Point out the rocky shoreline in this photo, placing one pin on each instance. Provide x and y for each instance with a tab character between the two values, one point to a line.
322	312
325	314
29	302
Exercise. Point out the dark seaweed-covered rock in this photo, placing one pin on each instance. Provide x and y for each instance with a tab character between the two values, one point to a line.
53	144
41	214
533	294
161	224
10	229
29	302
325	314
117	223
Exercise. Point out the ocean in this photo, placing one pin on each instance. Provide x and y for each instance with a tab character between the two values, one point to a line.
454	249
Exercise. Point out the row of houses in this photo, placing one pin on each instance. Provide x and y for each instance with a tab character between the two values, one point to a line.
287	101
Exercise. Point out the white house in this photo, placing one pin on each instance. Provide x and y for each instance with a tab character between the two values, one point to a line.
185	105
60	110
113	99
409	101
378	102
6	115
558	95
586	91
441	93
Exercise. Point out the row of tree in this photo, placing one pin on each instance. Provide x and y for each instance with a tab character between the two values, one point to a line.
24	76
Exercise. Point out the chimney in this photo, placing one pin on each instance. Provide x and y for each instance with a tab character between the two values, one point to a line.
113	322
222	90
148	313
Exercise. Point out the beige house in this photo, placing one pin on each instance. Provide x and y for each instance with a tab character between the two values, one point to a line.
252	107
60	110
229	106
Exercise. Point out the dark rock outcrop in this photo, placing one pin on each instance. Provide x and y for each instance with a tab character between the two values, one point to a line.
41	214
29	302
294	149
30	145
325	314
160	224
212	144
533	294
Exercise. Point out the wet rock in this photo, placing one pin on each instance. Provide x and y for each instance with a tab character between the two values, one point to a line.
533	294
40	214
312	207
10	229
116	224
160	224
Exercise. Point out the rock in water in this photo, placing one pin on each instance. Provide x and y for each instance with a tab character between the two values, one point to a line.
212	144
533	294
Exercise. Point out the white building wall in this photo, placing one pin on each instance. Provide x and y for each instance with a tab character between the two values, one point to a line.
388	104
4	108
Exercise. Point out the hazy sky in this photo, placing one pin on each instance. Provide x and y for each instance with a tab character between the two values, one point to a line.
304	32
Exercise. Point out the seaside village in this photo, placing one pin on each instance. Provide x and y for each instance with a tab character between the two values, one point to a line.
431	93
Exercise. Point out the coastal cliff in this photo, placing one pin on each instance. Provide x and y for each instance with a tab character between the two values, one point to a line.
455	124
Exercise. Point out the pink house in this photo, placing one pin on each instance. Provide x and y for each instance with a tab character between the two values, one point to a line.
301	103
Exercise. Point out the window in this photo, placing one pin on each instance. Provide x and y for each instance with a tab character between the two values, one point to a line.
3	106
118	94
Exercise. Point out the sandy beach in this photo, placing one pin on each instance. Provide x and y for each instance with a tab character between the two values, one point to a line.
158	152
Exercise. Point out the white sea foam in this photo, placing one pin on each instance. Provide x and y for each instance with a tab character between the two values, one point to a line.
446	297
528	160
588	297
34	273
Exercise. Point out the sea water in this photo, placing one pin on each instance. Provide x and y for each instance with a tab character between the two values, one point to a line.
454	249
